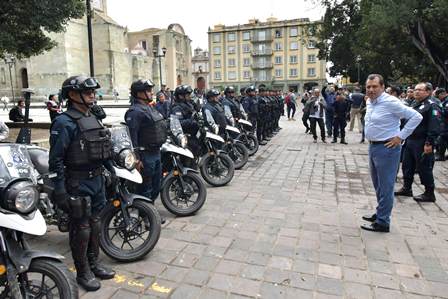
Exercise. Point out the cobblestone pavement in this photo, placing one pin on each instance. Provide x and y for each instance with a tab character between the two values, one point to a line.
288	227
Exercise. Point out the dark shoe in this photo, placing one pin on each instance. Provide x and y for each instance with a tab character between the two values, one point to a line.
375	227
371	218
306	131
315	141
403	192
362	141
262	142
88	281
103	272
343	141
427	196
334	141
324	141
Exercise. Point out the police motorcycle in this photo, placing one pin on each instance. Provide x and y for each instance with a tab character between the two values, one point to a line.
247	136
130	224
216	167
26	273
236	150
183	192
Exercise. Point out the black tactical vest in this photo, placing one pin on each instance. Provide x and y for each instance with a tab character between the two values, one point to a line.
91	146
217	111
154	135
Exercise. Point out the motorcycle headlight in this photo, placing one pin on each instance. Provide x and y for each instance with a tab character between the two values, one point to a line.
126	159
183	140
22	197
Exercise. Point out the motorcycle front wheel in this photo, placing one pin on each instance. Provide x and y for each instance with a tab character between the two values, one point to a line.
46	278
251	143
129	234
217	170
184	201
239	154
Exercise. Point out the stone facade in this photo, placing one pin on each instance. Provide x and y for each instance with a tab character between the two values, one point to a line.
201	67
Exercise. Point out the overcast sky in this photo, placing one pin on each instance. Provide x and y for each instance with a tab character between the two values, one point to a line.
196	16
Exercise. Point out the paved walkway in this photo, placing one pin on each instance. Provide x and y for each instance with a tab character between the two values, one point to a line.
288	227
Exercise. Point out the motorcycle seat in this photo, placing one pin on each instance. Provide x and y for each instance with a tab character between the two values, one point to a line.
39	157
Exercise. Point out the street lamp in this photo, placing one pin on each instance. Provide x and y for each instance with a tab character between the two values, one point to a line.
159	54
10	60
358	62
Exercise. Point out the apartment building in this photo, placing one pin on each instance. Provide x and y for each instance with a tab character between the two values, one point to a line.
281	54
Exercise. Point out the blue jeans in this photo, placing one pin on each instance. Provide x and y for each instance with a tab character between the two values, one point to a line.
383	164
152	173
329	116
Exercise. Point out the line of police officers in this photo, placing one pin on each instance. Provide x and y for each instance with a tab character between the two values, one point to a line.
80	146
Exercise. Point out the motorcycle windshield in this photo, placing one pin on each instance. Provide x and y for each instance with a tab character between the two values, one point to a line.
175	126
15	163
121	138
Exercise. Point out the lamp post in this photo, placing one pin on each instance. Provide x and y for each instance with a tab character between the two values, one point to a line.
159	53
358	62
10	60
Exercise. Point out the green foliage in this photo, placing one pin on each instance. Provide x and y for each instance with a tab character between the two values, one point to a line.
24	24
382	33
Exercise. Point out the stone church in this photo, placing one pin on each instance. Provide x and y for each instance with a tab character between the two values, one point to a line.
120	57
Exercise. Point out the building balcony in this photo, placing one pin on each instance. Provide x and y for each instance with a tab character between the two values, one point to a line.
261	39
265	52
266	65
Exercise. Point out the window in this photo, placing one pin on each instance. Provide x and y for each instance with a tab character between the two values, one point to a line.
311	58
246	48
311	44
231	36
261	35
231	75
278	46
311	72
278	59
278	33
293	31
231	61
246	62
217	37
143	44
217	50
294	46
246	35
231	49
218	63
217	75
278	72
262	76
293	59
246	74
293	72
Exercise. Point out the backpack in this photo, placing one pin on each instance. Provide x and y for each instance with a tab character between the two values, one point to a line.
288	99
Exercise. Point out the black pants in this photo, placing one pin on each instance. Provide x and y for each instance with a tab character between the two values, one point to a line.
291	107
305	118
442	143
260	129
414	160
339	125
313	122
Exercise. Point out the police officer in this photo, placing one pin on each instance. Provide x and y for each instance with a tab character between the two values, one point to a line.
250	104
418	153
215	116
79	147
233	109
184	109
442	95
148	132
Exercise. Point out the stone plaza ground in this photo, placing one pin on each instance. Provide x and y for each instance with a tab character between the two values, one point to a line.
287	226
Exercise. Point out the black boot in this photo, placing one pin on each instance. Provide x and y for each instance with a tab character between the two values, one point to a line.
334	140
79	240
427	196
404	191
93	251
343	141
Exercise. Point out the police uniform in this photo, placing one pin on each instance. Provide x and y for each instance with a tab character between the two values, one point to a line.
148	132
414	159
443	138
214	113
79	147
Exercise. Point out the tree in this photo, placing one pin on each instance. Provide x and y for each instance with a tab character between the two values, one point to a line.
401	39
25	24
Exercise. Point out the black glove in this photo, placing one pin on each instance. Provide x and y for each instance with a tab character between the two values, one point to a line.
61	199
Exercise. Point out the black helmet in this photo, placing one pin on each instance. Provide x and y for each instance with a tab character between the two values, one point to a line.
141	85
78	83
243	90
182	90
250	89
229	89
212	93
